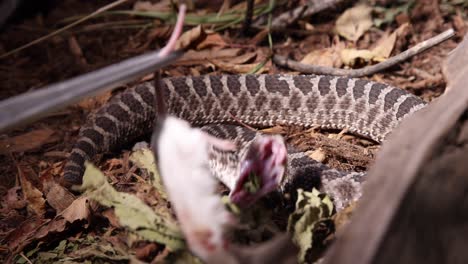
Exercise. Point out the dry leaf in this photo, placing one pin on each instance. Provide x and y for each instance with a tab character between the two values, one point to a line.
36	228
354	22
192	38
247	57
274	130
328	57
57	196
94	102
146	251
342	217
22	234
161	6
238	68
78	210
76	51
28	141
192	57
212	40
157	33
350	56
259	37
318	155
13	200
385	44
111	217
379	53
36	203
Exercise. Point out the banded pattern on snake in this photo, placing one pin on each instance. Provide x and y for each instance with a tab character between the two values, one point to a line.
366	108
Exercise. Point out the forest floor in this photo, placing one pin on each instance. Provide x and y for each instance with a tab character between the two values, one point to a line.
34	155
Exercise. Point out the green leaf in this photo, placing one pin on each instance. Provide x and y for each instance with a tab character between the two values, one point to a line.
311	209
132	213
144	159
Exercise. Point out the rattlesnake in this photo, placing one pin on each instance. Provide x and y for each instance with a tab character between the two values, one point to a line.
366	108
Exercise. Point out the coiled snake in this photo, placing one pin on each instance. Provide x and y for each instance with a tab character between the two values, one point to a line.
363	107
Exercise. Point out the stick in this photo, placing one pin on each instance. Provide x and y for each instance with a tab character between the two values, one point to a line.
248	17
369	70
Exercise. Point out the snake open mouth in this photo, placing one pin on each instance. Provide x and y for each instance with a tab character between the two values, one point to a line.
261	170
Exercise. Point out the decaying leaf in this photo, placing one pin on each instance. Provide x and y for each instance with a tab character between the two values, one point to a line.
239	68
274	130
149	6
244	58
131	211
90	249
144	159
385	44
200	57
36	228
354	22
327	57
57	196
191	38
350	56
318	155
99	250
94	102
342	217
28	141
22	234
36	201
212	40
78	210
379	53
12	200
311	209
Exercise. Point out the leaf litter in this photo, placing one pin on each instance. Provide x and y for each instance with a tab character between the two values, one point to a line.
71	232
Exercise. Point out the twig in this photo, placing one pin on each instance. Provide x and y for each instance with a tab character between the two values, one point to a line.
34	42
248	16
313	69
311	8
25	258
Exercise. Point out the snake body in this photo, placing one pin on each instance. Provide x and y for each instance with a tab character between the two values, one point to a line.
366	108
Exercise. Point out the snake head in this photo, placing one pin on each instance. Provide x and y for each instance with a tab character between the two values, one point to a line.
261	170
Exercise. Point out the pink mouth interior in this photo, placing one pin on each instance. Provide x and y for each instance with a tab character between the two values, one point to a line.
268	165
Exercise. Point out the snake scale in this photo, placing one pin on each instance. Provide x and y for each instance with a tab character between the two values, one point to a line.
366	108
